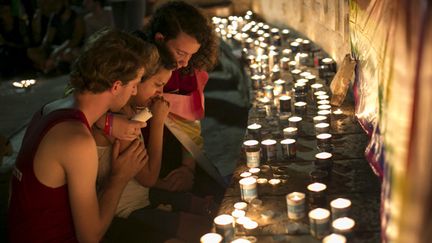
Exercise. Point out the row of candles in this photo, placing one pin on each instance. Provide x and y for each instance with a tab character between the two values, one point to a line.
262	47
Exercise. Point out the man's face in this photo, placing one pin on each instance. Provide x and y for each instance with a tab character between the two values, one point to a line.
182	48
127	90
152	86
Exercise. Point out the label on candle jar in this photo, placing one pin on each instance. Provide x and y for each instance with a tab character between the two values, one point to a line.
296	205
253	159
248	189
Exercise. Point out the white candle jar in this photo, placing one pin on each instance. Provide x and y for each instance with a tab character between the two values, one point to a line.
248	189
319	222
253	153
224	225
295	205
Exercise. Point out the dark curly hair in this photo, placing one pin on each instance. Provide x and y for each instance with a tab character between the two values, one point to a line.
174	17
112	55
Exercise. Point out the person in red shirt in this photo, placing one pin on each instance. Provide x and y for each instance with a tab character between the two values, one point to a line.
53	191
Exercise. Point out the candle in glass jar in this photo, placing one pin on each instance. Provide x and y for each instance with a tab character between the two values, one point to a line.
248	189
295	205
224	225
279	87
289	148
211	238
324	113
290	132
324	107
245	174
319	119
343	226
284	64
269	149
324	142
250	225
237	213
285	103
254	170
324	161
319	222
240	205
274	182
268	91
334	238
322	97
316	192
300	108
322	127
294	121
340	207
323	102
295	46
254	130
253	153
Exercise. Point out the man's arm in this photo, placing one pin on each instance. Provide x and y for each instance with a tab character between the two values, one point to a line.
80	162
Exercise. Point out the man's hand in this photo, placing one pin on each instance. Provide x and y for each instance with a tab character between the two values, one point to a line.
127	164
180	179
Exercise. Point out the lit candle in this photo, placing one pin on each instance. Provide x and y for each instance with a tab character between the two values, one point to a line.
242	220
211	238
248	189
245	174
340	207
292	65
322	127
319	92
317	197
334	238
279	87
337	113
257	82
319	222
224	225
250	225
323	102
240	205
289	148
285	103
256	203
269	149
294	121
324	142
324	107
322	97
253	153
324	161
319	119
295	46
237	213
268	91
300	108
343	226
312	79
274	182
284	63
254	170
290	132
261	180
316	87
324	113
267	215
254	130
241	240
296	73
295	205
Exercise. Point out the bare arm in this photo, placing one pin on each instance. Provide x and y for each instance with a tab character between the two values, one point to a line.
92	218
150	172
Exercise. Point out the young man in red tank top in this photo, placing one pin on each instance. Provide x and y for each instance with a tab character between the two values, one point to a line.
53	192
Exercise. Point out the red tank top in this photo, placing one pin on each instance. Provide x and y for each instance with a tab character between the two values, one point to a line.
38	213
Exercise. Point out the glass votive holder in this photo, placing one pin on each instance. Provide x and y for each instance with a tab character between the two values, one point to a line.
284	103
274	181
300	108
343	226
319	119
292	65
306	46
340	207
295	205
295	46
254	130
296	74
237	213
290	132
262	181
316	194
253	153
330	63
250	226
337	114
324	142
268	91
316	87
294	121
319	93
289	148
240	205
322	97
324	161
269	150
304	59
312	80
323	102
284	64
257	82
224	225
248	189
245	174
286	52
326	113
324	107
254	170
319	220
322	127
334	238
319	176
279	87
211	238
